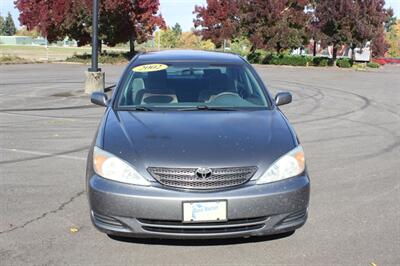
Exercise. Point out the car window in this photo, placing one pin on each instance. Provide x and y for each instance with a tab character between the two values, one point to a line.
177	85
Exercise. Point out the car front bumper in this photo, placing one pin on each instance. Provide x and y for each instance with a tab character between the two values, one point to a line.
156	212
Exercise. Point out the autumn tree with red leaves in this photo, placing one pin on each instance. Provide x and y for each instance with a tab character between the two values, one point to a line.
370	25
268	24
352	22
218	21
275	24
335	22
120	20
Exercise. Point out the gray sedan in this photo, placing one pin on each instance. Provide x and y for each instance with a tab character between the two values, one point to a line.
192	145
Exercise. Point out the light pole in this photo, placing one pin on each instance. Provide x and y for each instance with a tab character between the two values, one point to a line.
95	37
95	78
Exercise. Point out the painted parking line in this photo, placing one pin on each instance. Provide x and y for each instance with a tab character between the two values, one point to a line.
44	154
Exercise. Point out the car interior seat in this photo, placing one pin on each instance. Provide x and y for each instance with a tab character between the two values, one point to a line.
156	90
217	83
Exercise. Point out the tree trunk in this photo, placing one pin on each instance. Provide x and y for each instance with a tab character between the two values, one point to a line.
315	48
132	43
100	46
278	48
353	55
334	55
253	49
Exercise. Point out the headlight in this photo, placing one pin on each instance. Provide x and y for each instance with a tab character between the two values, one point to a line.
111	167
289	165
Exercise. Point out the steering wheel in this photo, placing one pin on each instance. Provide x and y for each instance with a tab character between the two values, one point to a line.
242	91
226	93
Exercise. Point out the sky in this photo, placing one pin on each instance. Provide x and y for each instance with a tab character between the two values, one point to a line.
173	11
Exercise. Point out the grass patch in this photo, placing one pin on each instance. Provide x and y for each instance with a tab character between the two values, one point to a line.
360	66
104	58
12	59
52	53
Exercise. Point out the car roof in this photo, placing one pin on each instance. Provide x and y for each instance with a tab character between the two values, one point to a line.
188	56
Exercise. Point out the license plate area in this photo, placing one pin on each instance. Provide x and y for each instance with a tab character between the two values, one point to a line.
204	211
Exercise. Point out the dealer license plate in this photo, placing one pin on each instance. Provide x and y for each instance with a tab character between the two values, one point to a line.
206	211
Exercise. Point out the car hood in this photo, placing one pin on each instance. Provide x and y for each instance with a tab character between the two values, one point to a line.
198	138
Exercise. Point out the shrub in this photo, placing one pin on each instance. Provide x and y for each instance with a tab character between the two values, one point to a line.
321	61
284	59
373	65
344	63
12	59
104	58
257	57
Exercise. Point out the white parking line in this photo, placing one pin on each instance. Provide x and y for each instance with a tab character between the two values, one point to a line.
44	154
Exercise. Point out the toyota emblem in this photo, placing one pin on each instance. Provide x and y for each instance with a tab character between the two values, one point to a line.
203	172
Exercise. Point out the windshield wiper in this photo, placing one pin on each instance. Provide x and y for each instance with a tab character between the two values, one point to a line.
135	108
207	108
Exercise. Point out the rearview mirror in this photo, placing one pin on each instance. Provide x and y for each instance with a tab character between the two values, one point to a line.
283	98
99	98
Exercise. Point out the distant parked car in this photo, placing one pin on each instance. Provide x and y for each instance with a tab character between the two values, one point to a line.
192	145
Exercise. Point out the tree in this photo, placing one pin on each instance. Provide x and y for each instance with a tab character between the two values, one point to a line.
218	21
274	24
23	31
379	46
167	38
120	20
9	28
391	21
46	16
335	22
1	25
189	40
371	17
177	29
393	38
206	45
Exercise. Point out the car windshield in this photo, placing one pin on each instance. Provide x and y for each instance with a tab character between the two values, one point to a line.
191	86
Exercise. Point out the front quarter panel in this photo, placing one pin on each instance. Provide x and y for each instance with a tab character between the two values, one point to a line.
97	141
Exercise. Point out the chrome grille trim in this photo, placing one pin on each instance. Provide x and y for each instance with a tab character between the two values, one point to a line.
187	178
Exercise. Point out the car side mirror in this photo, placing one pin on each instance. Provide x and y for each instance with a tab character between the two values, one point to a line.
283	98
99	98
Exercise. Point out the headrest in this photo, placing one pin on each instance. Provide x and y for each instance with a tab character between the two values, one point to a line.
211	72
157	80
222	82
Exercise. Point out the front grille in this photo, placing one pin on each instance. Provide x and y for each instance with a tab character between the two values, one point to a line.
187	177
177	227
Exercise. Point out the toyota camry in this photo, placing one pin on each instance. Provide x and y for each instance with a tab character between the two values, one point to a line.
192	145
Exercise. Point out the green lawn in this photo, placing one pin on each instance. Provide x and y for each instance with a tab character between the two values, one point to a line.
40	53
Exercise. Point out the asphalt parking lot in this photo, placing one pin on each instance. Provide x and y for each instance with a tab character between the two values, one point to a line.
348	122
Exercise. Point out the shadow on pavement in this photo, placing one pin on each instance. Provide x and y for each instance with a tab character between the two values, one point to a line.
200	242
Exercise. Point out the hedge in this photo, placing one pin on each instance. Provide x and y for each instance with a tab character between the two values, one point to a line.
262	57
288	60
320	61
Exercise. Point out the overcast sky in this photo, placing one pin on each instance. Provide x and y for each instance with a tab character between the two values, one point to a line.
173	11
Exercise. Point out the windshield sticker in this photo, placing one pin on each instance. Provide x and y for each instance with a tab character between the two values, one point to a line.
150	68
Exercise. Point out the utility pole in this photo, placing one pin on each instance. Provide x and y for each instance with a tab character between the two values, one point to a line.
95	78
